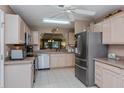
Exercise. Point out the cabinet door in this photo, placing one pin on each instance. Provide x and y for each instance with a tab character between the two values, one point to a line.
106	31
70	59
61	60
111	79
54	60
71	38
23	74
22	31
27	29
98	74
36	38
11	29
98	27
122	82
117	29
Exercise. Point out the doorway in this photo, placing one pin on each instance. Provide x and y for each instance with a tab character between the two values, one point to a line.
1	49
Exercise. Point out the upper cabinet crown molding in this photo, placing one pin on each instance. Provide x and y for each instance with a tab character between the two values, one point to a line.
15	29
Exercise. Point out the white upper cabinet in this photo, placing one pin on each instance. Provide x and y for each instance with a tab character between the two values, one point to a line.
14	29
35	37
27	29
80	26
98	27
117	29
113	29
22	30
71	38
106	31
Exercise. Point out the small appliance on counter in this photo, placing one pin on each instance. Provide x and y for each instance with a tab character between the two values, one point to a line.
17	53
27	38
29	50
112	55
116	57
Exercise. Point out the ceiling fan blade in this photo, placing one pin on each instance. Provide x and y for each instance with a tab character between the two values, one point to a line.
70	16
63	6
57	14
84	12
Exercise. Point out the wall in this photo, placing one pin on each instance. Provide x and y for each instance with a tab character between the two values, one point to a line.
118	49
7	10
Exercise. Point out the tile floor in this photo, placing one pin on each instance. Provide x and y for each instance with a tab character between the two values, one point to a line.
58	78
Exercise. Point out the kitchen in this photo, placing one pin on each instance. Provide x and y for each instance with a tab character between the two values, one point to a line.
40	54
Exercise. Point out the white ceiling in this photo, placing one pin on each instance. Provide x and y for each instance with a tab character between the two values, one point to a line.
33	14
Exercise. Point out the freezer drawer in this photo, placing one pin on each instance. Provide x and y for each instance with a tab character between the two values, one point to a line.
43	61
81	74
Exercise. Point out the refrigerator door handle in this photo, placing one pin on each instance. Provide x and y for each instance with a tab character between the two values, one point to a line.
81	59
81	67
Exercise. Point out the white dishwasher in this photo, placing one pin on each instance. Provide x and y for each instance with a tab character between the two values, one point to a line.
43	61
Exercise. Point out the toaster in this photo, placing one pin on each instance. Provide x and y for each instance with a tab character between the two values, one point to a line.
112	55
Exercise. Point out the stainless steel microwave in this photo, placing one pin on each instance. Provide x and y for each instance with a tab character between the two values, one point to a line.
17	54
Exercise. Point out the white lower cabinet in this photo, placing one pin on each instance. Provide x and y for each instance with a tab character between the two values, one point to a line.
107	76
70	60
122	81
19	75
111	79
61	60
98	75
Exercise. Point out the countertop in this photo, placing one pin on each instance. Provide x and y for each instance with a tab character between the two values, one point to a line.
27	60
116	63
43	52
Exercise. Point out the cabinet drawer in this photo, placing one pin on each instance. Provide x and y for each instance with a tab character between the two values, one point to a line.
98	63
112	68
122	81
122	72
98	69
97	76
98	82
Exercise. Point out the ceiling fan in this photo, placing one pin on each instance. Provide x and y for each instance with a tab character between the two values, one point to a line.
55	29
69	11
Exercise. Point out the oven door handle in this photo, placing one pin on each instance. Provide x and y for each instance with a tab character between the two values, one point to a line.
81	67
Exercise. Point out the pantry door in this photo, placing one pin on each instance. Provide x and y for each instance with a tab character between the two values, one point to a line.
1	49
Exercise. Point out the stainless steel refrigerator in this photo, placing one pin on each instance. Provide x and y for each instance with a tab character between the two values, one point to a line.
89	46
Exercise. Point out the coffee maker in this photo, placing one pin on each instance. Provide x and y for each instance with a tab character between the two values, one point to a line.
29	50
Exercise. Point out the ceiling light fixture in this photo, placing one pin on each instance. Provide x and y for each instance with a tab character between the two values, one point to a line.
56	21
